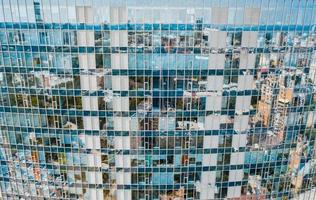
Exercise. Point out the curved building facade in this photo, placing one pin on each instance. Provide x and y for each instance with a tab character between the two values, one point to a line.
148	100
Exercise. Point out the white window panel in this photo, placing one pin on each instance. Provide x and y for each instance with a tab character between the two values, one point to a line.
120	104
88	12
97	159
99	194
91	61
216	61
207	186
81	38
213	103
219	15
251	16
95	123
134	124
215	83
237	158
310	119
209	160
119	38
123	161
236	175
249	39
119	61
217	39
90	38
80	15
91	193
94	177
114	15
90	103
91	122
88	160
210	141
121	123
92	142
88	82
212	122
93	82
118	15
124	194
122	142
87	123
83	61
87	61
115	61
116	82
123	178
84	14
123	15
243	104
241	122
120	83
245	82
207	192
234	192
93	160
115	38
208	177
247	61
71	14
85	38
239	140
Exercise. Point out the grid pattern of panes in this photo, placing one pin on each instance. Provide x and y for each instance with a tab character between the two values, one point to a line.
135	99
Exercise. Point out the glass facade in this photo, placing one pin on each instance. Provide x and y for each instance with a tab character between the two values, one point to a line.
148	100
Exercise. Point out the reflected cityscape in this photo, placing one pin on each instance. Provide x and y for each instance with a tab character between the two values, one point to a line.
157	100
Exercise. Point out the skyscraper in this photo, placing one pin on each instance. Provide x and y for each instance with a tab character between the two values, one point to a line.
148	100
